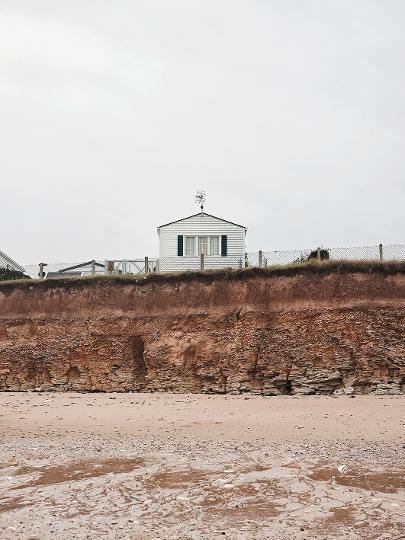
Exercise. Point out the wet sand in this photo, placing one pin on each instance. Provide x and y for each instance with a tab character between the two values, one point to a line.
149	466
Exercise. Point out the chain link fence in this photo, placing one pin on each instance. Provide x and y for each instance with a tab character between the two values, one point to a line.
144	265
364	253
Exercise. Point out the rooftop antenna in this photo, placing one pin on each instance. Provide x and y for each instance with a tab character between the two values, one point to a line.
200	199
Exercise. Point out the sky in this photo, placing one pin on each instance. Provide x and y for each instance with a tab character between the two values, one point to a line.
290	114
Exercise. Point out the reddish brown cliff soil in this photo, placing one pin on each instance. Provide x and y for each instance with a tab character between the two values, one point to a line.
303	333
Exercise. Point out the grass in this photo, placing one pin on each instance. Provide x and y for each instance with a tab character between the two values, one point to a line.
210	276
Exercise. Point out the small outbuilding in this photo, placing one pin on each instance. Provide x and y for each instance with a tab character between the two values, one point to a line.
182	242
8	263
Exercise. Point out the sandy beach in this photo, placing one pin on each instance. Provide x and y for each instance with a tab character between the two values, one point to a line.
149	466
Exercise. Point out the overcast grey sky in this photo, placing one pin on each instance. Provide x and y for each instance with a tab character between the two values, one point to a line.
289	113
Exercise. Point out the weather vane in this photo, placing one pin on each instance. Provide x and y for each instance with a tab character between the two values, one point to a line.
200	199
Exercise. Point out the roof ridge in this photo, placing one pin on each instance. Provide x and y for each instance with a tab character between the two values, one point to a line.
199	214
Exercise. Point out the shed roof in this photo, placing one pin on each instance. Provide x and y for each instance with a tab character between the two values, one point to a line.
203	214
7	262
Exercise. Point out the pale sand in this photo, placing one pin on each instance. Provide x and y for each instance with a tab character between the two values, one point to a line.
191	466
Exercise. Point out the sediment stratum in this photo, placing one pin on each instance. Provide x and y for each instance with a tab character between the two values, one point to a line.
332	329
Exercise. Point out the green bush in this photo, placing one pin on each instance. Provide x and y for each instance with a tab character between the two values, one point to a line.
323	253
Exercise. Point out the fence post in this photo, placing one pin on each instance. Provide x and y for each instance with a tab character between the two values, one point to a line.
202	257
108	267
41	270
318	254
380	247
146	265
260	258
93	267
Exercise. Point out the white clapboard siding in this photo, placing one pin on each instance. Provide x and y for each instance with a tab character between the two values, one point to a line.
200	225
183	264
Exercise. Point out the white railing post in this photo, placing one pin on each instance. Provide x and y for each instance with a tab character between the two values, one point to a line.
41	270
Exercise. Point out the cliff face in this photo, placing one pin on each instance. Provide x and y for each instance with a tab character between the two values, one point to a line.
337	332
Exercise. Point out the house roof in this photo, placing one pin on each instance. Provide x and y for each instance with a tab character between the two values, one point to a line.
63	274
7	262
202	214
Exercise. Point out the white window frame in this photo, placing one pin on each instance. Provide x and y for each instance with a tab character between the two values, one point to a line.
196	246
205	237
218	238
185	245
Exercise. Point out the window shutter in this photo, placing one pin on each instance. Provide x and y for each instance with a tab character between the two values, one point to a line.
180	245
224	245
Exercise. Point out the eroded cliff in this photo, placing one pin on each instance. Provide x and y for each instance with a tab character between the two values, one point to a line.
335	330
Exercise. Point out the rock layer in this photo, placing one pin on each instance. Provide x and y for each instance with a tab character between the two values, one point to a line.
264	334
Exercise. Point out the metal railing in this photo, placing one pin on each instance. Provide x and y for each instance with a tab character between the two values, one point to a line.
92	267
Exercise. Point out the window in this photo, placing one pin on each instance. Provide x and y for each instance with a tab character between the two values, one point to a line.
200	245
203	245
190	246
214	245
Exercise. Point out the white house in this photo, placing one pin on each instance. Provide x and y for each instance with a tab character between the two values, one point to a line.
182	242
